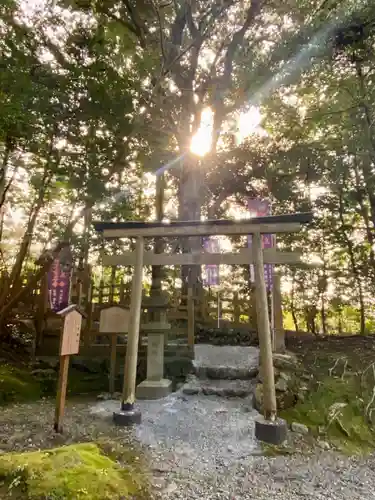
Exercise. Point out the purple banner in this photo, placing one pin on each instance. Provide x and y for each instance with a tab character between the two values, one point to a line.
59	281
262	208
211	245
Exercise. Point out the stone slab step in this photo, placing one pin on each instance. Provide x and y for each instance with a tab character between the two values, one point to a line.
225	372
222	388
225	362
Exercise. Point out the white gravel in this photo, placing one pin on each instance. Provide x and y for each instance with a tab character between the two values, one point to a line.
204	448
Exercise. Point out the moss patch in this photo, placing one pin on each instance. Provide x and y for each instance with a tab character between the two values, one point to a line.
75	472
17	385
338	405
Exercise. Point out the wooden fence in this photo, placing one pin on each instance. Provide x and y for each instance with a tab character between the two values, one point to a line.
210	310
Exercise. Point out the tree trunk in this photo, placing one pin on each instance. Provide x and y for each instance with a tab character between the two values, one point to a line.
159	245
3	186
323	315
353	263
292	308
14	282
190	204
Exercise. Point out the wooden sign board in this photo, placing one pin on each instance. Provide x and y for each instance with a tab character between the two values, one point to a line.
71	333
114	320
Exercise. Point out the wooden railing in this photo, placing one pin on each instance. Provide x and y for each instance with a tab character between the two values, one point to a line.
234	310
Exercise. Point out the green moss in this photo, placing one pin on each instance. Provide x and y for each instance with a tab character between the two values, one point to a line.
20	385
335	409
75	472
85	383
17	385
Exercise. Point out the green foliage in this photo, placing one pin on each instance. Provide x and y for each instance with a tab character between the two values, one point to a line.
338	405
17	385
75	472
20	384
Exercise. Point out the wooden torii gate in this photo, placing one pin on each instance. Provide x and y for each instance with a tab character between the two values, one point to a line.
268	428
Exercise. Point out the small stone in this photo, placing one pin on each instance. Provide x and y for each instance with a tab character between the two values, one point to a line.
281	385
230	448
182	398
161	469
105	396
190	390
222	410
301	396
171	488
324	445
288	362
299	428
285	376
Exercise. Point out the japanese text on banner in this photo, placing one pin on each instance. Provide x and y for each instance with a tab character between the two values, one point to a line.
212	276
261	208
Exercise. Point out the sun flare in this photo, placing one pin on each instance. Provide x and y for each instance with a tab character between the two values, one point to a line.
248	123
202	141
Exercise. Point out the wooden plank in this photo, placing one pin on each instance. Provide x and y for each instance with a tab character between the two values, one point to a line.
240	228
114	319
71	333
61	392
245	256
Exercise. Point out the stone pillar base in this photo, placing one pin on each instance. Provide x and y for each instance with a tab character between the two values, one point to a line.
271	432
154	389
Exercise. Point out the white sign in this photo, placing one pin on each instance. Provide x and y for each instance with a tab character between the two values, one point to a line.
114	320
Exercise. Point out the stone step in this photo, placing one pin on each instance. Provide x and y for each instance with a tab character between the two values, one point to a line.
225	372
225	362
222	388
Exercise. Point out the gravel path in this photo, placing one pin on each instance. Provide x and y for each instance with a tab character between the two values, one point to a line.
200	448
204	448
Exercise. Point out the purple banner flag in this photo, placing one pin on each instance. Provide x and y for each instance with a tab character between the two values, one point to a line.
211	245
59	278
262	208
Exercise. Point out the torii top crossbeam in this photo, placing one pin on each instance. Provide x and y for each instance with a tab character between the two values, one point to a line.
287	223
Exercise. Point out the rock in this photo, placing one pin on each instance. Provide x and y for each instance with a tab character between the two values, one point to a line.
105	396
191	390
299	428
275	371
284	400
285	376
281	385
285	362
301	396
302	391
324	445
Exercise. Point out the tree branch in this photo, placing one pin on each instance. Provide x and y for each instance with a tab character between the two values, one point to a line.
225	81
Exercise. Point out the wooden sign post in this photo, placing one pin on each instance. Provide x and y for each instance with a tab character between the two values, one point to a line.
69	345
114	320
